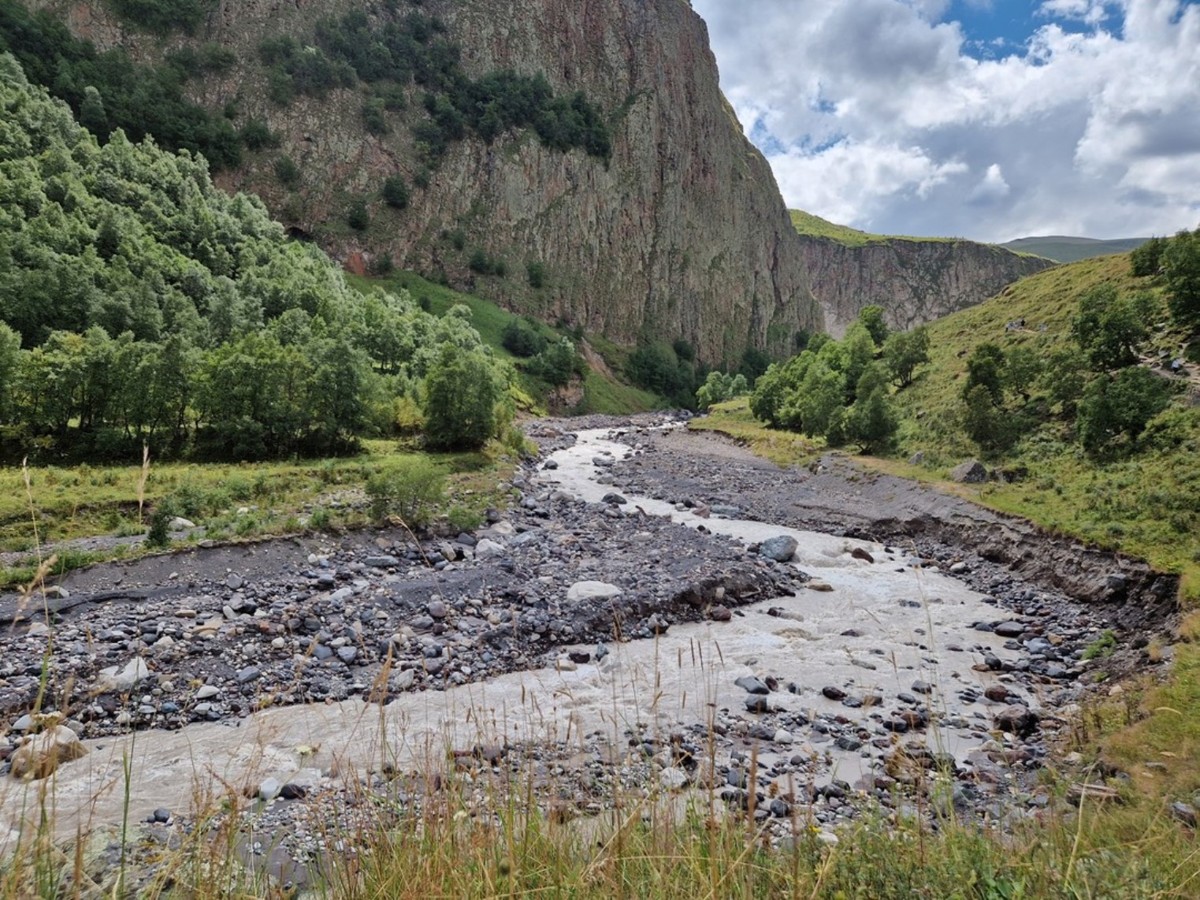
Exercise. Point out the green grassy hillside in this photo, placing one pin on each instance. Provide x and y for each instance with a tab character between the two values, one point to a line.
814	226
1072	249
1147	503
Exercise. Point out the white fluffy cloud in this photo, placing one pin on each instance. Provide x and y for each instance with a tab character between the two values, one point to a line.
875	113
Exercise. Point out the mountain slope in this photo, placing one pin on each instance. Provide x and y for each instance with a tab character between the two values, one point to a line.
916	280
679	232
1071	249
1145	503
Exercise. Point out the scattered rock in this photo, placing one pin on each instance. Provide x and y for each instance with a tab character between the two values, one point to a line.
752	685
1017	719
269	789
134	671
486	549
1009	629
673	779
1185	813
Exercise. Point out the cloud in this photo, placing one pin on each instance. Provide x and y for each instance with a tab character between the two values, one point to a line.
875	113
851	181
991	189
1093	12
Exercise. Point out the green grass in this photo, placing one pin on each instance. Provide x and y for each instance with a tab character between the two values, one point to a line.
91	501
733	419
604	395
814	226
647	850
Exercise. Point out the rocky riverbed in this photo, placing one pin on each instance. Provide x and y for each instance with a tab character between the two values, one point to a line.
657	611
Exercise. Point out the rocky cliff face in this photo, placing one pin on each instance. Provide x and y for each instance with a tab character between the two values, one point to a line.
682	233
914	281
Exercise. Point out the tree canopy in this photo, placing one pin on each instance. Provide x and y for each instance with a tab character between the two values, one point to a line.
141	303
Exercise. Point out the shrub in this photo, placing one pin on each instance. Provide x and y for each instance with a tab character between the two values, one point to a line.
357	216
159	534
256	135
871	318
556	363
1120	406
656	368
1146	259
903	352
464	518
1109	328
162	16
755	362
374	119
684	351
988	425
395	192
871	422
985	369
483	264
719	387
411	490
535	274
287	172
381	264
522	338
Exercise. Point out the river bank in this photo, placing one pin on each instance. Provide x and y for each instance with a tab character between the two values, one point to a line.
619	629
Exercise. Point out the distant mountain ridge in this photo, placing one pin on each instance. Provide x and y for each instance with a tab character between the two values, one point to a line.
1063	248
915	280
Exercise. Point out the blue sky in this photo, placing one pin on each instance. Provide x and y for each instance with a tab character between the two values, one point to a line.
995	29
988	119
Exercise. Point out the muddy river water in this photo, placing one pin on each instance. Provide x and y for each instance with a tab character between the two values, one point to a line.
883	628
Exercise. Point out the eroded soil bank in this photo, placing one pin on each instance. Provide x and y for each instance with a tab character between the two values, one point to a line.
618	629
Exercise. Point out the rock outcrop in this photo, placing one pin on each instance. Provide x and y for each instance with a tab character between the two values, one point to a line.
682	233
915	281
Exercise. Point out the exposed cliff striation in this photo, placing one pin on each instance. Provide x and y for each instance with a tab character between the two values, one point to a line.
915	281
681	232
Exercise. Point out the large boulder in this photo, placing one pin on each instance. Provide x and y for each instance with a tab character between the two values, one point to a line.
592	590
970	472
780	549
42	754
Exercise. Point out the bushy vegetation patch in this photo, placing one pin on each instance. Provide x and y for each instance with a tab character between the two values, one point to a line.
392	50
162	16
